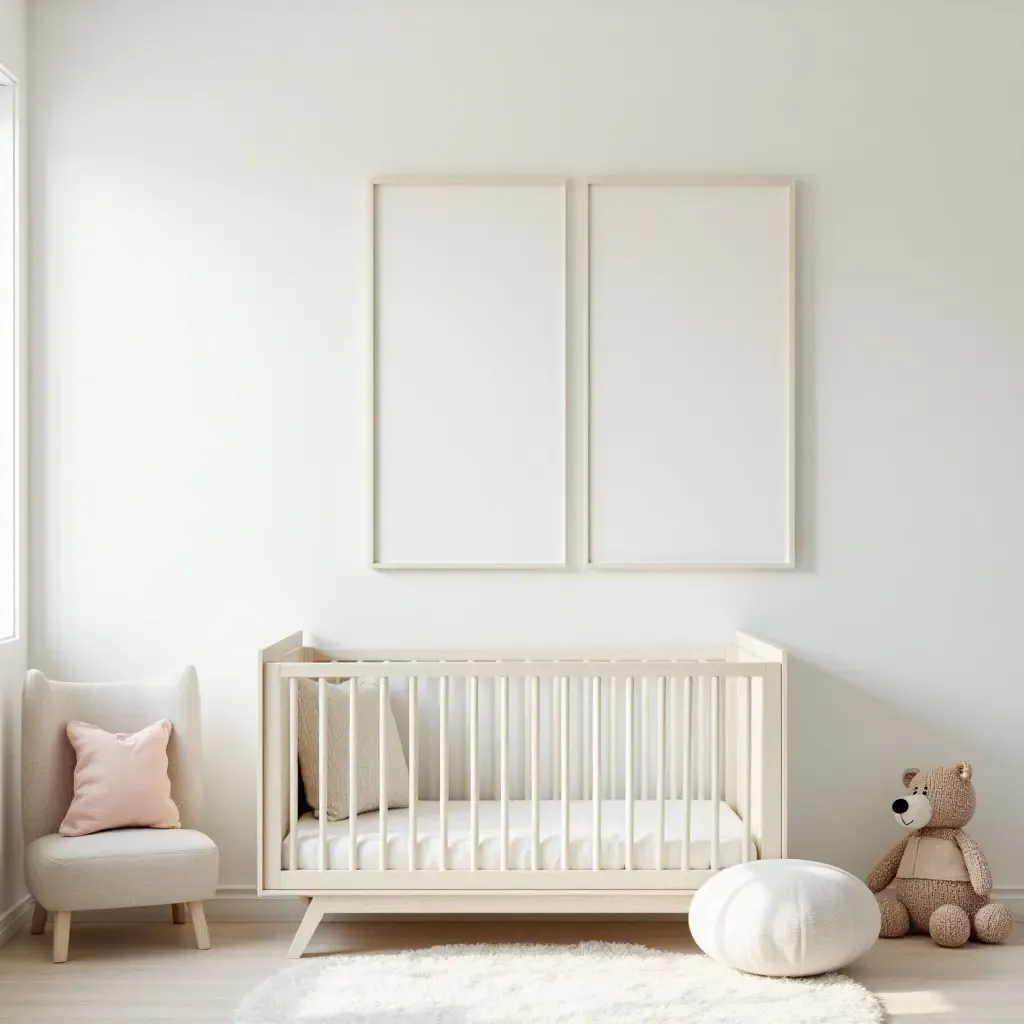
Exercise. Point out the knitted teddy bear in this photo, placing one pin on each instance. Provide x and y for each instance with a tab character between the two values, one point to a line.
942	877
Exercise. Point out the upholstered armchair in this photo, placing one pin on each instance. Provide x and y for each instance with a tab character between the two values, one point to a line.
124	867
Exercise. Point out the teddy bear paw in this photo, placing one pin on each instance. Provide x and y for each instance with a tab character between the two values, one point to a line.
895	919
949	926
992	923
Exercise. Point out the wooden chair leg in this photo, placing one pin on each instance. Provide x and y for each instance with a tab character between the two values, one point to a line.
38	919
178	913
61	935
314	914
199	924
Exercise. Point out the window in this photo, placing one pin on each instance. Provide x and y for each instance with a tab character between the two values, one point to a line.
9	333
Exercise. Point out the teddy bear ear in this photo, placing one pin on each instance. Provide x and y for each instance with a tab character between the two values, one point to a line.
908	776
965	769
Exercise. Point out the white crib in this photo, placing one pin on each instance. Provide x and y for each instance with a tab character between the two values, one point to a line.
540	782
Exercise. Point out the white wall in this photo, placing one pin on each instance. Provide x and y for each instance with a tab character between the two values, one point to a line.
12	652
198	177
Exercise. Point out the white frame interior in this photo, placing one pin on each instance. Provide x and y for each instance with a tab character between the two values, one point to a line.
471	181
754	738
788	559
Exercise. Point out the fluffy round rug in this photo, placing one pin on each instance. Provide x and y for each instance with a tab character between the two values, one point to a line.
595	982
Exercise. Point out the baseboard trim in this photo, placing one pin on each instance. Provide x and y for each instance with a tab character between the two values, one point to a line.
240	904
13	920
233	903
1012	897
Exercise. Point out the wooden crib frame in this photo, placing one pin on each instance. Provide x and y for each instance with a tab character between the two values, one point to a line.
745	718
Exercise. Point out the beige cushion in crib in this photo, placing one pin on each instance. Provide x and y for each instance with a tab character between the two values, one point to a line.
367	748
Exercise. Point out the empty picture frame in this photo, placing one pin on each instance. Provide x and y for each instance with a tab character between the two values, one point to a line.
468	401
690	364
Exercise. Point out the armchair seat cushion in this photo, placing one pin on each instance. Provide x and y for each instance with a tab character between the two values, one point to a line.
126	867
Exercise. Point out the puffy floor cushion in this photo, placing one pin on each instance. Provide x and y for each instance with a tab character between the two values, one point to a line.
125	867
784	918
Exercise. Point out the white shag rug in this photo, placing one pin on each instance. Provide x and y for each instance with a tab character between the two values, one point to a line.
594	982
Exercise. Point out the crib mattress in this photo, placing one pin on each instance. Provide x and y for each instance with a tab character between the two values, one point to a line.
613	831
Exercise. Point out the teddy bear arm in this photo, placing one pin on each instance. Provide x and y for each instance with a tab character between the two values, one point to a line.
885	870
978	870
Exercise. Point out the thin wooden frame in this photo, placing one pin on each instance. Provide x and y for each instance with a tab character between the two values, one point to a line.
788	561
471	181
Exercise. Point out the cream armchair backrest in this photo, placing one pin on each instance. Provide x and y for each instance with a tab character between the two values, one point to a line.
48	759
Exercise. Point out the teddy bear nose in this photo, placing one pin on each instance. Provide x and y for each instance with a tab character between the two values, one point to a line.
900	806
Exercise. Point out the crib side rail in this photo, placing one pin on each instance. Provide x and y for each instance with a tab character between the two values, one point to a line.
464	668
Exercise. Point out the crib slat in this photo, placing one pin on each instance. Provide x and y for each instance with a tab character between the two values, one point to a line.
464	733
556	722
563	747
629	773
687	769
443	759
321	760
353	774
497	738
413	767
474	781
293	775
702	736
747	766
644	719
586	730
659	782
526	738
613	739
596	772
716	787
382	752
673	739
534	689
503	755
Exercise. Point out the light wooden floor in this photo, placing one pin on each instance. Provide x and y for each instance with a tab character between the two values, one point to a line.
152	972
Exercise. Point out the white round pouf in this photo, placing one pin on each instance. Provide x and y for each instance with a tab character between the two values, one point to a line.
784	918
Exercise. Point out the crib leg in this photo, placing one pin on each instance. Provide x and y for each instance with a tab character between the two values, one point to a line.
314	913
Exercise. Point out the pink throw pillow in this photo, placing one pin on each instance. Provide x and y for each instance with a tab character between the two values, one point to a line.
121	781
